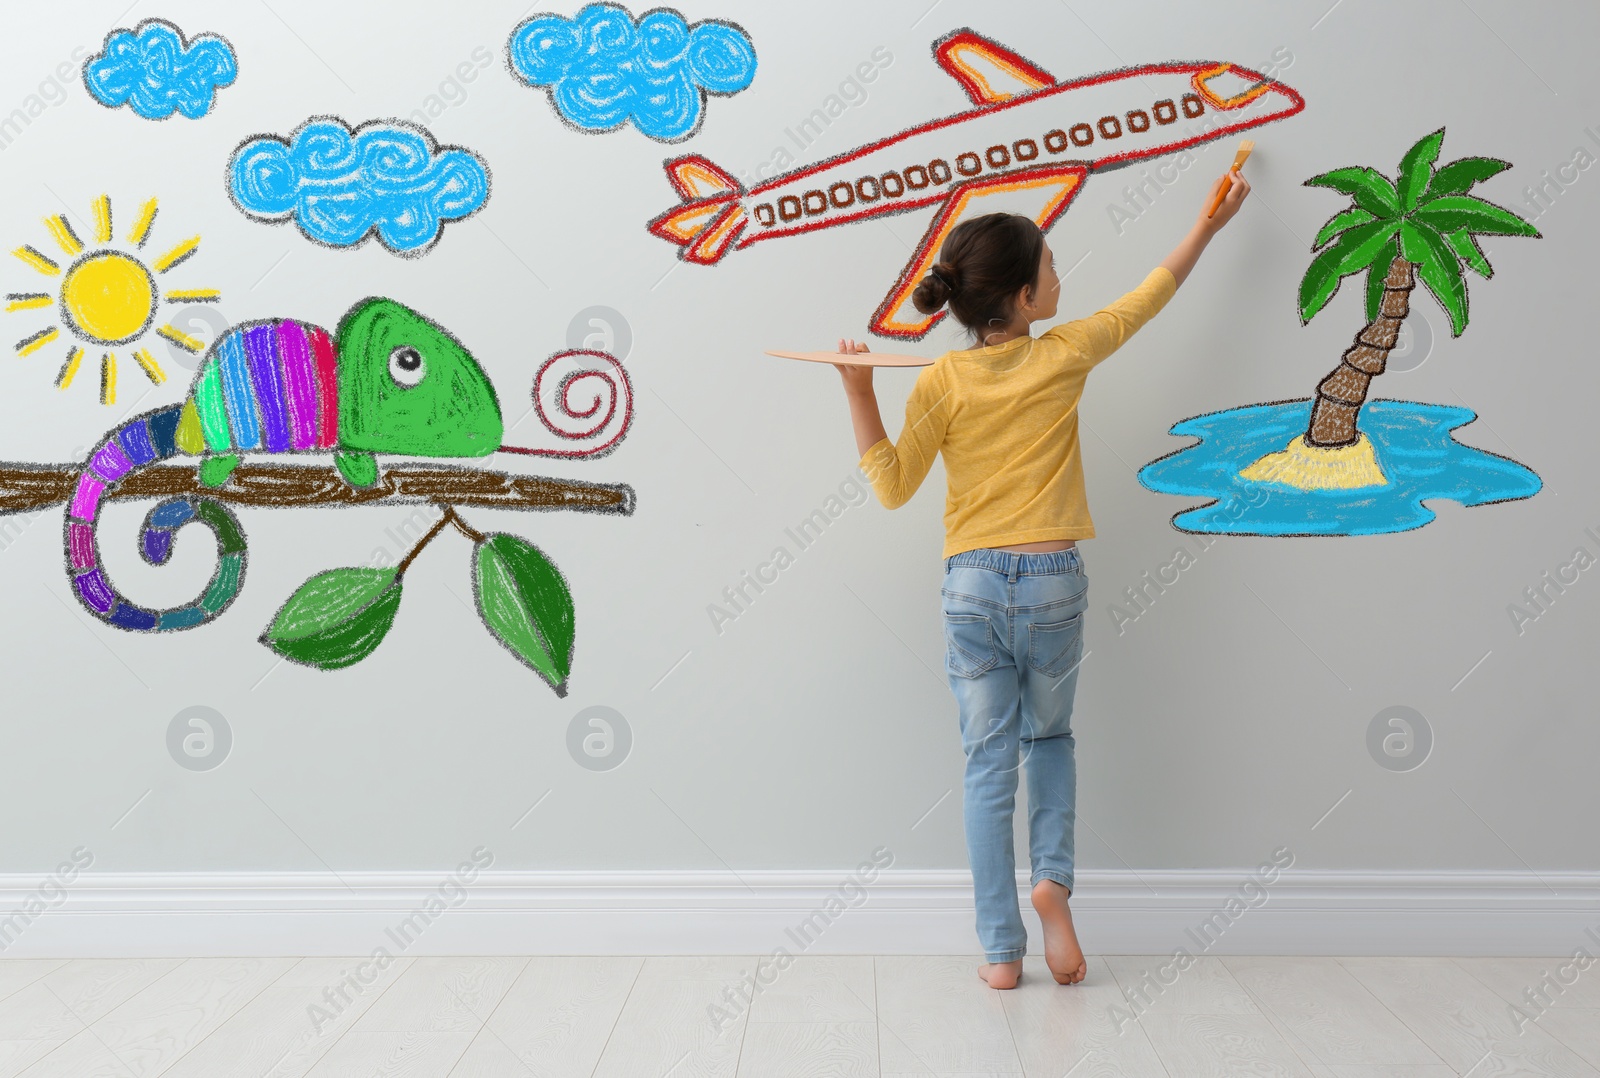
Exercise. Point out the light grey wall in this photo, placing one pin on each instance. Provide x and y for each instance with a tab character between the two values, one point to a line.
817	726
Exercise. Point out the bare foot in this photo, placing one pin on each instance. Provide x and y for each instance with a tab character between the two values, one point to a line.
1061	951
1001	974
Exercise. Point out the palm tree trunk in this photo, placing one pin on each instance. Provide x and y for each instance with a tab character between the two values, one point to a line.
1341	394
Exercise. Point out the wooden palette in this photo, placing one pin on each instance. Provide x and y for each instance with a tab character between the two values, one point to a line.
860	359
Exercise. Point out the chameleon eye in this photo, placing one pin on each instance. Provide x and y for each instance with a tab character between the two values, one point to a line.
406	366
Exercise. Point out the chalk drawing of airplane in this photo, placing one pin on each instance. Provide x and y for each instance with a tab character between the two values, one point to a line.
1029	138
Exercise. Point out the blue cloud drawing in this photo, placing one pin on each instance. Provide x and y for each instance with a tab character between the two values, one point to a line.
340	185
153	70
603	69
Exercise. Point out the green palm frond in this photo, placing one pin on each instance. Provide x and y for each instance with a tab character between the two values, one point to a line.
1350	253
1341	221
1371	189
1470	253
1455	213
1424	214
1416	169
1377	270
1460	174
1438	268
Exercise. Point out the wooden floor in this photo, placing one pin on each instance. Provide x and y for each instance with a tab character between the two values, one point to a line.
822	1016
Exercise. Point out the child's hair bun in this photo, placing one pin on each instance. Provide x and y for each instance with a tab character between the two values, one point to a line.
935	290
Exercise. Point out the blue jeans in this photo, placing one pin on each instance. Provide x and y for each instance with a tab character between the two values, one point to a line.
1013	628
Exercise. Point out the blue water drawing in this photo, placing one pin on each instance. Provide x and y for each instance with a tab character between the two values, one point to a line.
154	71
1413	445
602	69
386	178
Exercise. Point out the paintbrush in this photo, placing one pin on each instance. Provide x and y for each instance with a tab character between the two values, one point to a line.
1227	180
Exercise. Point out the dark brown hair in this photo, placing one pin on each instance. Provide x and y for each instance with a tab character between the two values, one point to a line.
983	264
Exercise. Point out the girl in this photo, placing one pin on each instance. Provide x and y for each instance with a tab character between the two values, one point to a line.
1005	416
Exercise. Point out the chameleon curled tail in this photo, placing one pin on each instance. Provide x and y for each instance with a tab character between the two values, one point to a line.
390	381
244	393
148	439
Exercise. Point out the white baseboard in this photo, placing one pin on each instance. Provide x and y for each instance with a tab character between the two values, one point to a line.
902	912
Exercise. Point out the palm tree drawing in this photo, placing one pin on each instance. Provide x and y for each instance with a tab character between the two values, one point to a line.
1420	226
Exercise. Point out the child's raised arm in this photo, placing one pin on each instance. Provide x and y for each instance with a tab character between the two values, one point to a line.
1187	253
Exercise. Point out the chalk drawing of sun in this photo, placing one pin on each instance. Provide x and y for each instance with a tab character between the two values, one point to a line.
106	295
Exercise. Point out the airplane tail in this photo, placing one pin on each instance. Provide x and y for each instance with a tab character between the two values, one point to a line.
711	217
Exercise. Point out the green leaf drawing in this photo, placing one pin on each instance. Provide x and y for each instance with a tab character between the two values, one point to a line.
1371	189
1376	273
1452	213
336	618
1470	253
1352	252
1439	268
1459	175
524	601
1341	221
1416	169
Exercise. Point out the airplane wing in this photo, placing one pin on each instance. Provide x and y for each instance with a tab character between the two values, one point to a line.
989	73
1042	193
987	70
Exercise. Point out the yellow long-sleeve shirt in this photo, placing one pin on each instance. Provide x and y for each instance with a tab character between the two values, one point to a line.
1006	420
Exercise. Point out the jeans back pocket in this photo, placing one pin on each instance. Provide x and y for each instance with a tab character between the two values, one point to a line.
969	644
1054	647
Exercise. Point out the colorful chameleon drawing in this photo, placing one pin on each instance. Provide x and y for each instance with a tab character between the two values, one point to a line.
387	381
